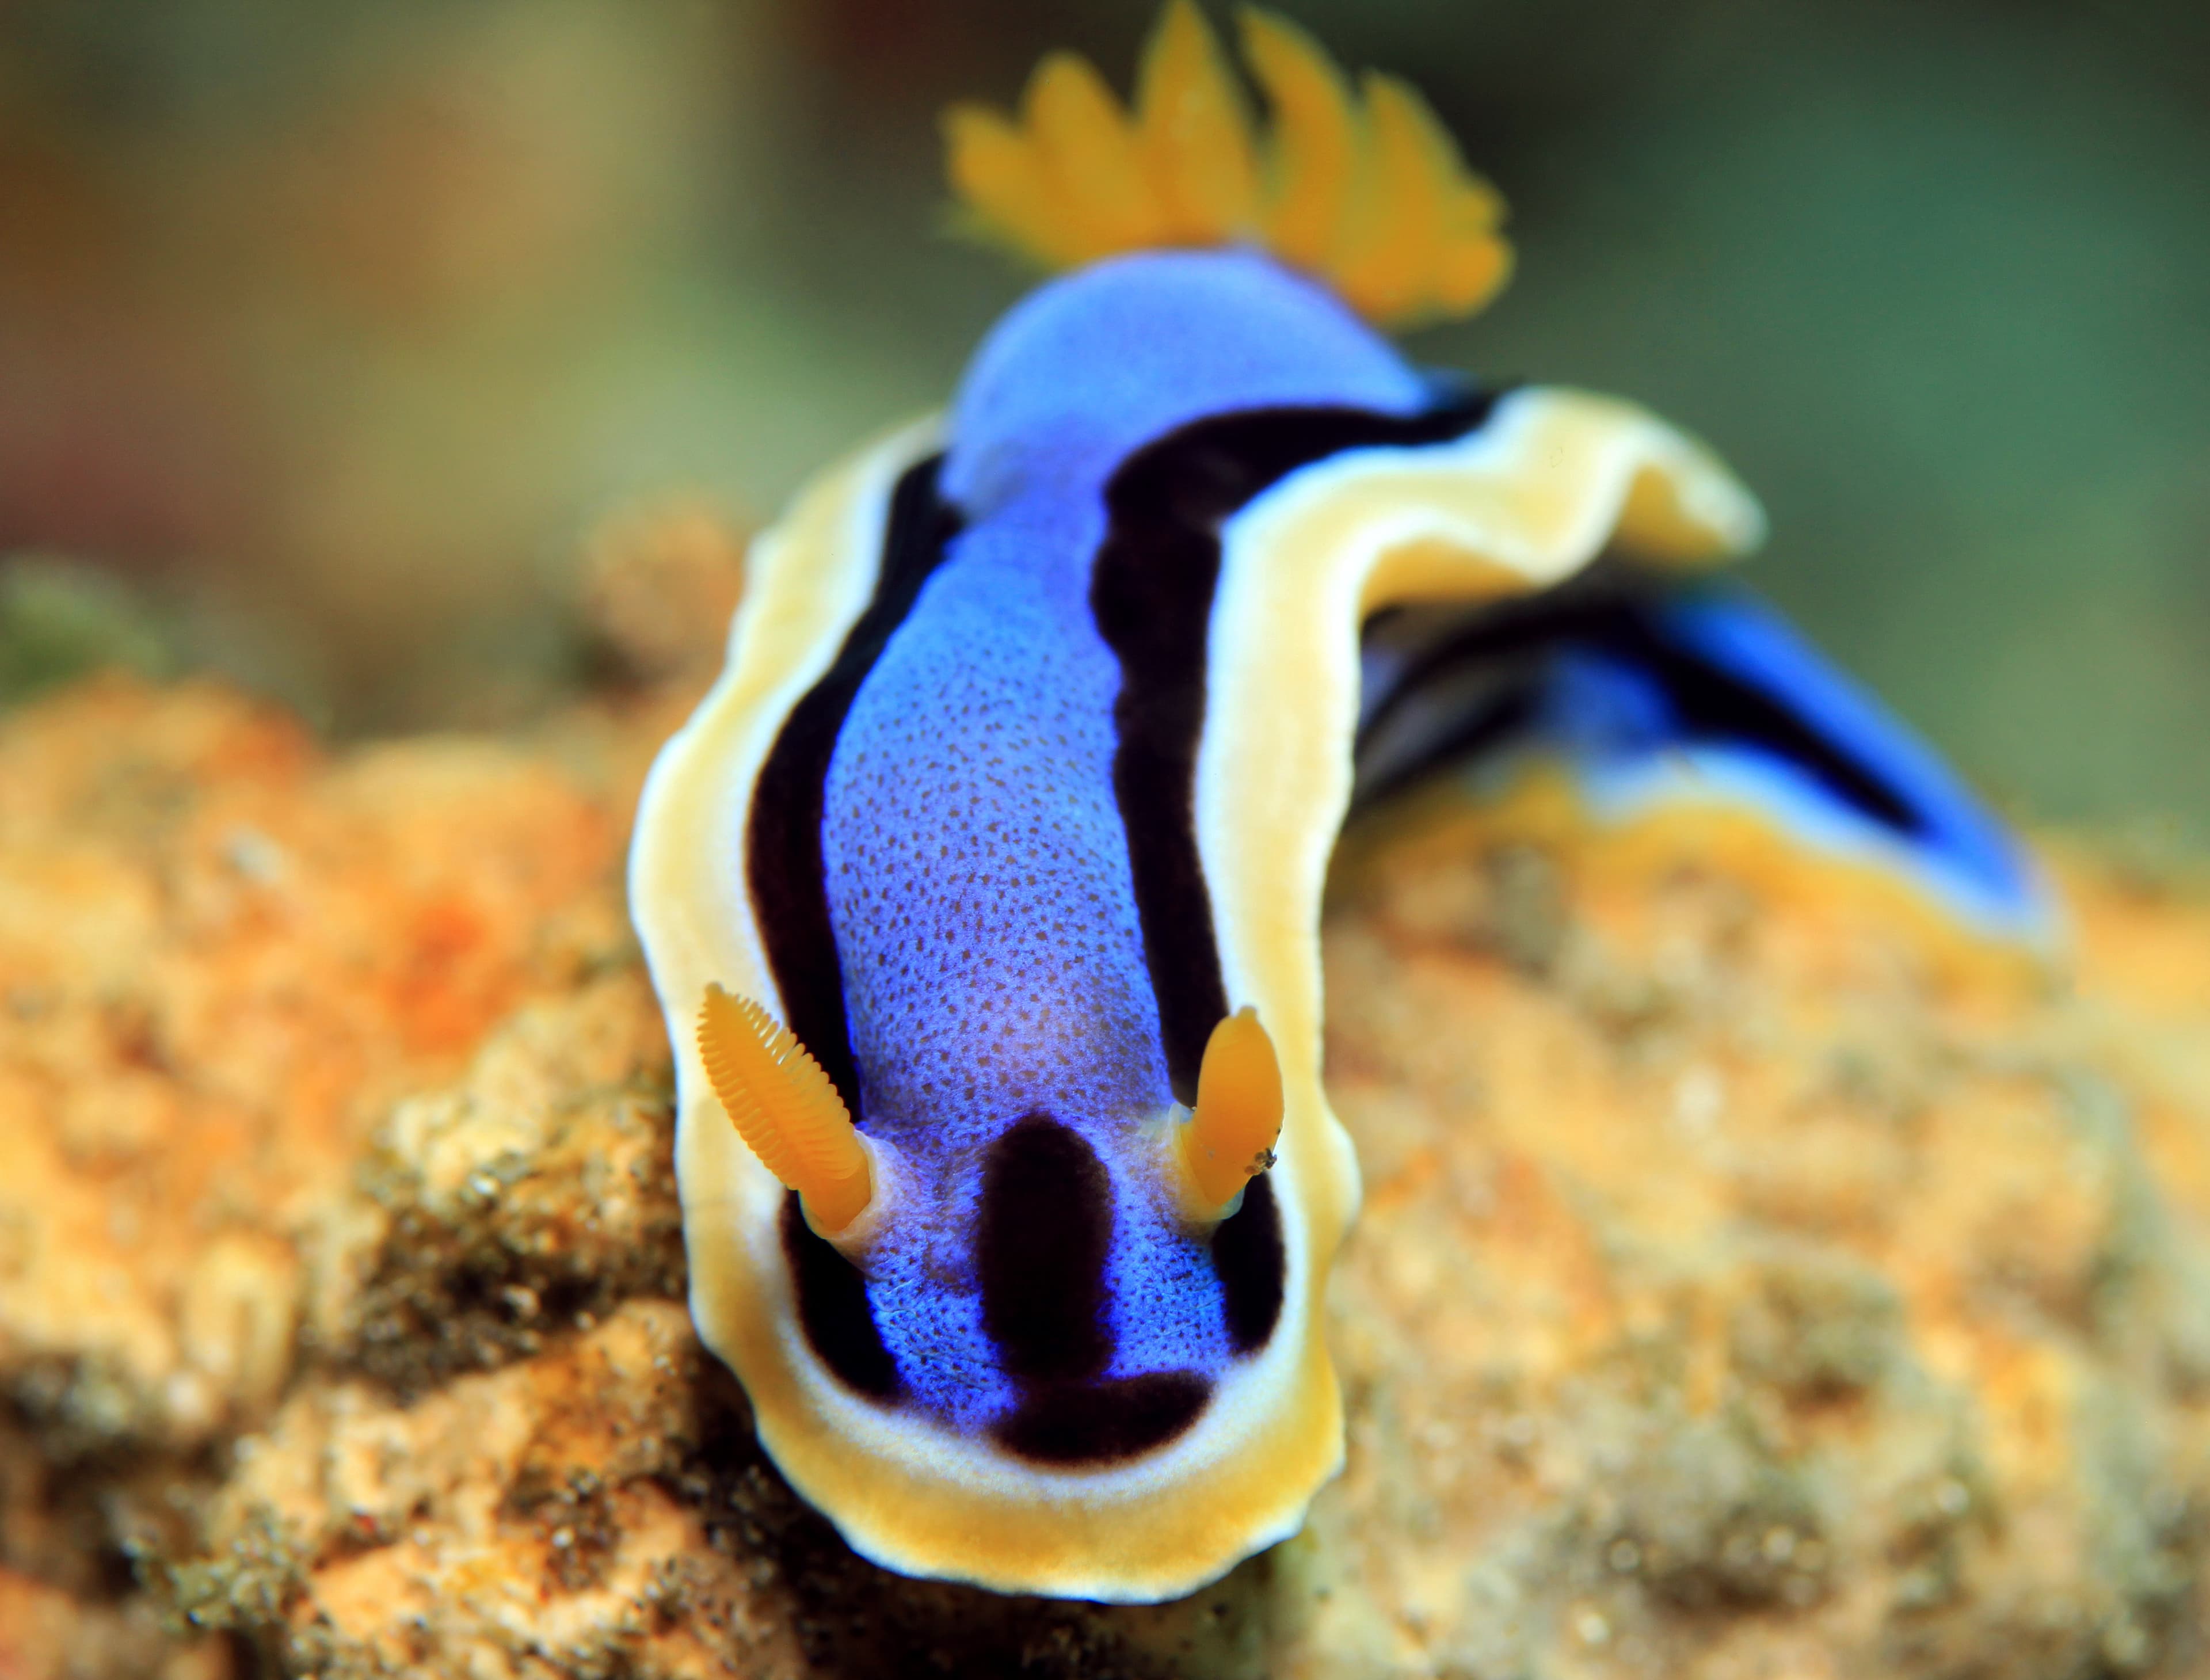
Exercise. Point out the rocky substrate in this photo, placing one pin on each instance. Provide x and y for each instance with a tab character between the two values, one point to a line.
1751	1282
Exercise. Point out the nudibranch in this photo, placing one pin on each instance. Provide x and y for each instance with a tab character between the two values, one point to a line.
982	891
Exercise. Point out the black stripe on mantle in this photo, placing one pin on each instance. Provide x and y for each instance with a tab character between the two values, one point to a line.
1151	594
785	870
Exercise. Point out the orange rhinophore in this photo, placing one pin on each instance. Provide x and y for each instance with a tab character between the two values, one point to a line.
785	1109
1230	1136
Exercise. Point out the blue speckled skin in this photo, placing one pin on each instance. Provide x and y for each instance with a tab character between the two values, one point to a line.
977	872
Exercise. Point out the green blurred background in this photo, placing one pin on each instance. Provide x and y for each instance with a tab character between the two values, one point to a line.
327	330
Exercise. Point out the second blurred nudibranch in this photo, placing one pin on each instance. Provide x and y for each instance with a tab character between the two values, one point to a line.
1700	699
982	892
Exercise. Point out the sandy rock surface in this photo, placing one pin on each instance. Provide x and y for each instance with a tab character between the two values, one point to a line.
1750	1282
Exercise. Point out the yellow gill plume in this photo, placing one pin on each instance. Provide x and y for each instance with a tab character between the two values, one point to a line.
1364	190
1195	132
785	1108
1230	1135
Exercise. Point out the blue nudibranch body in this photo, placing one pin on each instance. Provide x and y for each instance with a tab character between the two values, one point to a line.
1022	779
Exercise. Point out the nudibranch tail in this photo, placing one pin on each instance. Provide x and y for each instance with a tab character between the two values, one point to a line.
785	1108
1365	192
1230	1136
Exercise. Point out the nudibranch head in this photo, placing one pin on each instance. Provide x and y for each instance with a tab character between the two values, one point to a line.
1362	189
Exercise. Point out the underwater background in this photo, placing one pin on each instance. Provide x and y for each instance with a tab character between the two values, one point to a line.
329	334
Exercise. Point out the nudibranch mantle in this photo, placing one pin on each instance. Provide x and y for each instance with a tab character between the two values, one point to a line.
1037	730
995	822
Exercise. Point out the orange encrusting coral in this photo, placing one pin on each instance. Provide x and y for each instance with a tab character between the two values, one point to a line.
1368	195
225	952
1230	1135
784	1107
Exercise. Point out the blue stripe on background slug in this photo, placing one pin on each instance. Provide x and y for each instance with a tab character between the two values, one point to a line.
1615	671
1702	699
1733	634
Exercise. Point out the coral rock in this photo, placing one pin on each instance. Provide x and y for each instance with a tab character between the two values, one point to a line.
1748	1282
